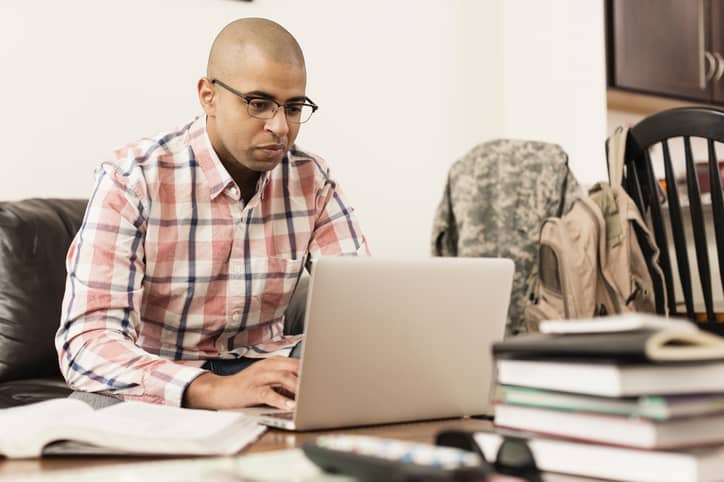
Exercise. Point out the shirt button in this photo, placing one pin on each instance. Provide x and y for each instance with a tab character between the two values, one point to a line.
236	316
233	192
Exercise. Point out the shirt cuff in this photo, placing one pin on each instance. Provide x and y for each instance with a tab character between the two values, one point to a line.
167	383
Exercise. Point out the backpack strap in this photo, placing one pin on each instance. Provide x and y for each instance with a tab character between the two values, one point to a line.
616	152
564	188
602	194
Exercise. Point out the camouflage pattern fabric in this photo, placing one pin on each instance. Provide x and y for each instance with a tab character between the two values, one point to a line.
495	200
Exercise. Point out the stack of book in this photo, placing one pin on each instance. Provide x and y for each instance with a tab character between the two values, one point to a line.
635	398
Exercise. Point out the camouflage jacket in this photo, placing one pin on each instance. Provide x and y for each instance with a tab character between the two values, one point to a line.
496	198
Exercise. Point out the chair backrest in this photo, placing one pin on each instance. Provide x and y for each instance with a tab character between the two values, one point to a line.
652	198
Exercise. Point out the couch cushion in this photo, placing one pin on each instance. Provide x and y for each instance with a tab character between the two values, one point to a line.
23	392
34	238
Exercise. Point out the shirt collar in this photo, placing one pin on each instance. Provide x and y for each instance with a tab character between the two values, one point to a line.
216	174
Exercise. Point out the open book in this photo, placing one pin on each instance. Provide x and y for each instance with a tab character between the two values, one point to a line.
67	426
617	323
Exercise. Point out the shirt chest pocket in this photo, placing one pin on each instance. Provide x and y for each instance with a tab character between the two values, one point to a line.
273	280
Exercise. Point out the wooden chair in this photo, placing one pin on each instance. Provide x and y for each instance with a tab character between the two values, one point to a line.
650	194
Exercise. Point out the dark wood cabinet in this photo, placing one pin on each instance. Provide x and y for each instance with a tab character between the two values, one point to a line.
667	47
717	48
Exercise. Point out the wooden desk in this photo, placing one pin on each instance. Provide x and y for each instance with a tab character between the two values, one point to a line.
272	440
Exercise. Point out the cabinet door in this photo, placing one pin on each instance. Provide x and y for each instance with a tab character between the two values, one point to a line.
660	46
717	48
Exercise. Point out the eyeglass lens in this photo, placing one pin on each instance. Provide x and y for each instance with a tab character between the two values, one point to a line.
266	109
515	458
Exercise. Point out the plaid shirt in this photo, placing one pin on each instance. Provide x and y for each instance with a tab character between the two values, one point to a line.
171	268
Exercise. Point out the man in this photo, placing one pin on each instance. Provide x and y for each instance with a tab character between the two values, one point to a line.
194	240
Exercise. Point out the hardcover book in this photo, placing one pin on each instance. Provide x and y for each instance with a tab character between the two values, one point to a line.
614	429
628	346
616	463
613	379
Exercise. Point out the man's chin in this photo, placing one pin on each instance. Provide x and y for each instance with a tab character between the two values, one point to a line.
266	160
264	165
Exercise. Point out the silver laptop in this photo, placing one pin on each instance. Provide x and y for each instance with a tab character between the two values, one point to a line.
395	340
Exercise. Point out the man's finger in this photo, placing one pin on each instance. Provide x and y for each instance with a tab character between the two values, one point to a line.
282	363
284	392
276	400
281	378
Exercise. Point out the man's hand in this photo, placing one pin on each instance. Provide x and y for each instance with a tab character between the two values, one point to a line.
258	384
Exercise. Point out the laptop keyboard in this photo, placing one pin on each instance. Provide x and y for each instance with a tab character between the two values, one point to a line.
280	415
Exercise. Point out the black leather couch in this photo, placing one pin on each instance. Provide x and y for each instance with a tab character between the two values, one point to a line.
34	238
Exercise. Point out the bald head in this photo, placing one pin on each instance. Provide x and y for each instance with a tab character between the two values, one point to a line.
251	37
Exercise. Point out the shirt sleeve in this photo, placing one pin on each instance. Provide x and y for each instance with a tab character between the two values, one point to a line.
96	341
336	231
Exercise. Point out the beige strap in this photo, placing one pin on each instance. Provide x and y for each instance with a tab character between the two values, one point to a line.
616	151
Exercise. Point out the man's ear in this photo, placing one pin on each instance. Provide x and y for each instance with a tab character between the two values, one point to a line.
207	96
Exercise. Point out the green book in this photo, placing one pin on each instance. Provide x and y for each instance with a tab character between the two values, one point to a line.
651	407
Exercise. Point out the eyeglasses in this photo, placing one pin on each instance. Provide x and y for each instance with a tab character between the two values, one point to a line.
514	457
265	108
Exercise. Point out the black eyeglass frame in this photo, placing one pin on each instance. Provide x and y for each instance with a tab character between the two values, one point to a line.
248	98
465	440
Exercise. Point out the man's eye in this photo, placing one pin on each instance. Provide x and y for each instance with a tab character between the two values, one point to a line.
294	109
260	105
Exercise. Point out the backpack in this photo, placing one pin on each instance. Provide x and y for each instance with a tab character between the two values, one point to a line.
599	258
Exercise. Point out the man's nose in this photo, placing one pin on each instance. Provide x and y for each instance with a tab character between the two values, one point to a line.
278	124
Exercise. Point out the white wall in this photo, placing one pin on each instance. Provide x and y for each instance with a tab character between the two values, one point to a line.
387	75
405	88
482	78
555	78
